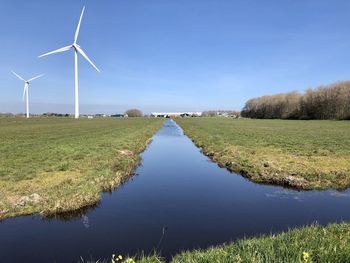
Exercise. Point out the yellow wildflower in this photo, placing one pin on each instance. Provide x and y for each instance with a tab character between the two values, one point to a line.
306	256
238	258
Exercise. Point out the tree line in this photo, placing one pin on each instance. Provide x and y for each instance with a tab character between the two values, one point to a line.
325	102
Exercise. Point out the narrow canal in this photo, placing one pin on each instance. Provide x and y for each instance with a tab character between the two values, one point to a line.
179	191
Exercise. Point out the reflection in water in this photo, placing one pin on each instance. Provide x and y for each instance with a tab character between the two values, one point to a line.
85	221
299	195
70	215
286	194
341	194
179	200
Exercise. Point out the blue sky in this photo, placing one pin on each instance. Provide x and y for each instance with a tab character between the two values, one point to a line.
170	55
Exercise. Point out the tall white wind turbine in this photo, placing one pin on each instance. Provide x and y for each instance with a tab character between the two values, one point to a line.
26	88
77	49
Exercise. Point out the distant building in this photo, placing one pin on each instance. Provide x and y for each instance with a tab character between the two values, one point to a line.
221	113
119	115
101	115
175	114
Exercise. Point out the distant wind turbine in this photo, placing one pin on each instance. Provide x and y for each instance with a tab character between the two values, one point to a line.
26	88
77	49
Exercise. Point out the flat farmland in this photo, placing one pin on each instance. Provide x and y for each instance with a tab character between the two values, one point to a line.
295	153
50	165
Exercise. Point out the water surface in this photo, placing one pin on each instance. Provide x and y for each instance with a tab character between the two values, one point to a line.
177	190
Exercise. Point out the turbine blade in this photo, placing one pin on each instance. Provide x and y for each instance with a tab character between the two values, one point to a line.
78	27
18	76
56	51
25	89
36	77
86	57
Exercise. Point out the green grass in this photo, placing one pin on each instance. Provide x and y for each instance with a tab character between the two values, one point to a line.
304	245
294	153
330	244
51	165
127	259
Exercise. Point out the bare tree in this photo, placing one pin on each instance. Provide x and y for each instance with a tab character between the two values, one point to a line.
134	113
325	102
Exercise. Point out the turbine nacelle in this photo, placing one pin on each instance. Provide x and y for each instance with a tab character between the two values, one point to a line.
75	46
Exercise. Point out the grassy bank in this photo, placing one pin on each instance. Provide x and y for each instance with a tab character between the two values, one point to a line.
307	244
300	154
51	165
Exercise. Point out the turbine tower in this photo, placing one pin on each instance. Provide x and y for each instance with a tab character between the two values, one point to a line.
77	49
26	88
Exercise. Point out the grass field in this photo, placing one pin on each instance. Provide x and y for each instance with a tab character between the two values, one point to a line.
300	154
308	244
304	245
51	165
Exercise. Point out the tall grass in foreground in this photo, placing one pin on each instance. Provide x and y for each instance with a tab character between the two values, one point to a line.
154	258
304	245
307	244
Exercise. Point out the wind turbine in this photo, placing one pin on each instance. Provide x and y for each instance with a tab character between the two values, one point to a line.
26	88
77	49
